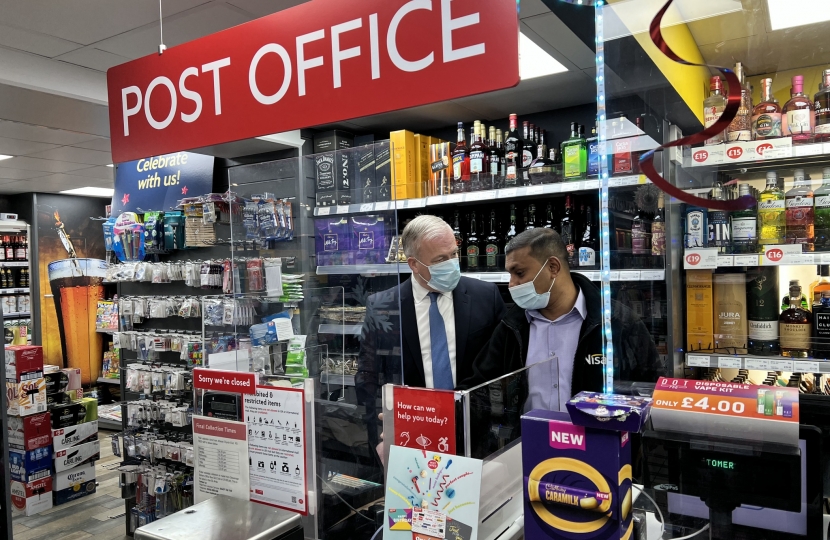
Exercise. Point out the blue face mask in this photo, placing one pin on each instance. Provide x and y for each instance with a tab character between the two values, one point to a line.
525	295
444	276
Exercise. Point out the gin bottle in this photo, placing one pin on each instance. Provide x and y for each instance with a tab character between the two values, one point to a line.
800	222
772	213
821	211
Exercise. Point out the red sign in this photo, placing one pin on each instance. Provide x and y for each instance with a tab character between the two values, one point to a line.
693	258
734	152
224	381
775	254
425	419
700	156
761	148
316	63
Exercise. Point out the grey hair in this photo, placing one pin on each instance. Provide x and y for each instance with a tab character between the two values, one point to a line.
543	244
423	227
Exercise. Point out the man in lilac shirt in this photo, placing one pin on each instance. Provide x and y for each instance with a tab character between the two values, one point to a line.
558	317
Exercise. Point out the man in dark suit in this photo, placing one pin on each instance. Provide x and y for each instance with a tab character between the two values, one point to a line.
445	319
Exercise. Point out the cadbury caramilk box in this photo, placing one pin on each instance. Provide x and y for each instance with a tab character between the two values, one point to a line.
577	480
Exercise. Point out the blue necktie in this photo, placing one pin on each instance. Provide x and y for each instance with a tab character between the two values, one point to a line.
441	368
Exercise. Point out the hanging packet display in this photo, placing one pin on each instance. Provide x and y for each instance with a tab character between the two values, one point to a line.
128	241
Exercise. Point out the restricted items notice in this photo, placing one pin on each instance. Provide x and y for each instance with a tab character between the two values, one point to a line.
275	418
221	465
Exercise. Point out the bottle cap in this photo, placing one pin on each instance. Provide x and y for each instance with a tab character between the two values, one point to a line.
795	283
824	270
715	83
798	84
574	126
826	172
825	294
461	125
743	189
772	175
798	175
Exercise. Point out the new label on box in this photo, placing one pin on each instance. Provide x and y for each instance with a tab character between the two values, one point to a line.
73	484
30	432
74	435
31	498
77	455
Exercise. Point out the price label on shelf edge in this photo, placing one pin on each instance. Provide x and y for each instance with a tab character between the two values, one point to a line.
780	254
697	361
806	367
754	363
727	362
701	258
781	365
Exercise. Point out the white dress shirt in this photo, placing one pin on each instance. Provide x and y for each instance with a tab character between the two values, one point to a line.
445	307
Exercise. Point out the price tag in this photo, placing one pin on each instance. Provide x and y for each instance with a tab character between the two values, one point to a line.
808	150
724	362
323	210
455	198
436	199
805	367
590	184
824	258
705	258
569	186
382	205
534	190
804	258
342	209
777	153
594	276
615	182
753	363
507	192
415	203
481	195
697	361
780	254
366	207
726	260
781	365
652	275
629	275
746	260
615	275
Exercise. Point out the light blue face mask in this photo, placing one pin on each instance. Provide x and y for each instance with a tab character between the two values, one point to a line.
525	295
444	276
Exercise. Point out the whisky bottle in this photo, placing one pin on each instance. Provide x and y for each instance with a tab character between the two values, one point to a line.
513	154
799	215
821	327
491	247
542	169
713	107
589	245
821	213
730	313
511	229
568	232
548	224
658	229
719	223
821	284
531	217
9	248
795	327
496	158
461	163
459	238
479	162
762	310
772	213
745	226
798	119
473	246
527	152
640	235
766	116
785	302
2	248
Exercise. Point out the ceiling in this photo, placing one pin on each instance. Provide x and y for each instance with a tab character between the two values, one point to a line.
54	57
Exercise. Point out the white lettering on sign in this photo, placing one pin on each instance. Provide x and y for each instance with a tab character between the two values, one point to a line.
302	63
448	24
286	78
338	55
214	67
392	43
191	95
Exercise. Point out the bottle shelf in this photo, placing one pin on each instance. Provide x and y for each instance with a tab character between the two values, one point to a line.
104	380
763	363
376	269
14	264
768	153
479	196
341	329
785	255
18	315
492	277
14	290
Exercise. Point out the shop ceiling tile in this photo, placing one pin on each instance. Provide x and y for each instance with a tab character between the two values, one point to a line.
30	132
11	175
44	165
557	35
93	58
99	173
34	42
17	147
62	181
87	21
76	155
16	187
261	8
532	8
102	144
178	29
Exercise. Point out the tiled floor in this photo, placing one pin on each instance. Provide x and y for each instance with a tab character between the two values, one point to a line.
89	517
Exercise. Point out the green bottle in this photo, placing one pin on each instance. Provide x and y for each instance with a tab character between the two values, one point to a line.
822	212
575	155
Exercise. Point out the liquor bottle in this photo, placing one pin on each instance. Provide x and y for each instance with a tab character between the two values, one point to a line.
821	284
24	277
621	163
713	107
593	153
640	234
762	310
500	150
531	217
785	302
745	226
719	223
491	247
496	158
25	248
461	163
740	129
479	162
9	248
459	238
548	224
729	291
766	116
800	221
772	213
527	152
473	246
513	154
795	327
821	327
822	107
589	245
797	119
567	229
2	248
542	170
511	230
574	155
20	249
821	213
696	234
658	229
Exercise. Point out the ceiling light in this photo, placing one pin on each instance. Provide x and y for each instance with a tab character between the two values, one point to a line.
3	156
534	61
91	191
783	14
110	165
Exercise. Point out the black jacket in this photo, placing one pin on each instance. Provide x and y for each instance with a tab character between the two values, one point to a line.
635	354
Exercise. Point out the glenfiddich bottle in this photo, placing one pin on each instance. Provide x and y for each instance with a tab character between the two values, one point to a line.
795	328
821	327
762	310
491	247
473	246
